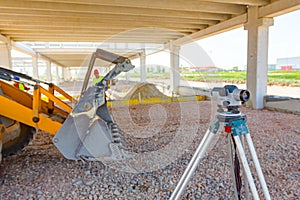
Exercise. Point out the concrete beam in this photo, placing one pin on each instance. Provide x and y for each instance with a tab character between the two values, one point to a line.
279	7
112	16
4	39
51	60
242	2
155	7
98	25
257	57
74	50
131	3
23	48
89	39
271	10
28	51
12	17
133	6
221	27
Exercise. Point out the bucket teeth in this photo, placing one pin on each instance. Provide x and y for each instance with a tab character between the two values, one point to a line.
114	126
114	130
117	140
116	135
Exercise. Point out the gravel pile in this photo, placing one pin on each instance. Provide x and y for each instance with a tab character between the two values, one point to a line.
161	139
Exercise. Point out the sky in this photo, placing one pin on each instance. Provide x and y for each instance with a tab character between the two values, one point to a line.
229	49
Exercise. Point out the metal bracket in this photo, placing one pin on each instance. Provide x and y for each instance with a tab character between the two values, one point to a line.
238	127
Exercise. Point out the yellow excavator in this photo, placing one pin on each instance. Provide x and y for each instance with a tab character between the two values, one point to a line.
82	130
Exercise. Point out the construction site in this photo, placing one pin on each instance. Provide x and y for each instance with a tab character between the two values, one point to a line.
106	135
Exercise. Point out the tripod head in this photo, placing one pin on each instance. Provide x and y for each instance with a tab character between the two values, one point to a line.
230	97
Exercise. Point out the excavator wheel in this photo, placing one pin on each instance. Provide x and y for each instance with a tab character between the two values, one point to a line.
16	137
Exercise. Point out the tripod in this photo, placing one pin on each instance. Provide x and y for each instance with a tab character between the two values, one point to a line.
236	128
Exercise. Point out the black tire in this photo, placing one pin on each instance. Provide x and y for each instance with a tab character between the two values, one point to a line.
13	146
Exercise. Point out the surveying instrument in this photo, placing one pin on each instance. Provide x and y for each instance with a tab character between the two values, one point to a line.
229	99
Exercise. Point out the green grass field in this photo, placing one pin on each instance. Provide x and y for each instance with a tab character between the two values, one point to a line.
274	77
289	78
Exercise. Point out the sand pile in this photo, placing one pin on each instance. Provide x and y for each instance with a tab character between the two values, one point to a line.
144	91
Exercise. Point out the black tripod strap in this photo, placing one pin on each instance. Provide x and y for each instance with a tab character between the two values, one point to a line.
237	175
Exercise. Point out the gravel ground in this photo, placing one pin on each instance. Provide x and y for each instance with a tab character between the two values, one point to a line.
162	139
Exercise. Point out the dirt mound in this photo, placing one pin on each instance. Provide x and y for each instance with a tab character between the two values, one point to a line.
144	91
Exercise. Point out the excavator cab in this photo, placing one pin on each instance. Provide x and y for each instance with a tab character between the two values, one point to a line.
85	131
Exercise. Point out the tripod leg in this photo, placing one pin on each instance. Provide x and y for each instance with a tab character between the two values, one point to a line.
258	168
247	192
200	152
246	167
231	165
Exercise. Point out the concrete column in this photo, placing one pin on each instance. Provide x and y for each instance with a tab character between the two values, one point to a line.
5	56
66	71
143	66
175	71
69	73
63	73
127	76
35	67
257	57
57	74
49	74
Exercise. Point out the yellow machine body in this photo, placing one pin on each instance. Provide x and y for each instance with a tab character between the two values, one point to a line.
31	109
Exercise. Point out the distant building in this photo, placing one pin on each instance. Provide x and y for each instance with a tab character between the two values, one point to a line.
155	69
204	69
292	63
271	67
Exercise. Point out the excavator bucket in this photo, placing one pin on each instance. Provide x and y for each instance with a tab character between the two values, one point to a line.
89	132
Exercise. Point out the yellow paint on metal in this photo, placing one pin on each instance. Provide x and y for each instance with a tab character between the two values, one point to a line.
62	98
2	128
36	101
154	100
64	94
18	112
1	142
26	99
54	99
50	102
